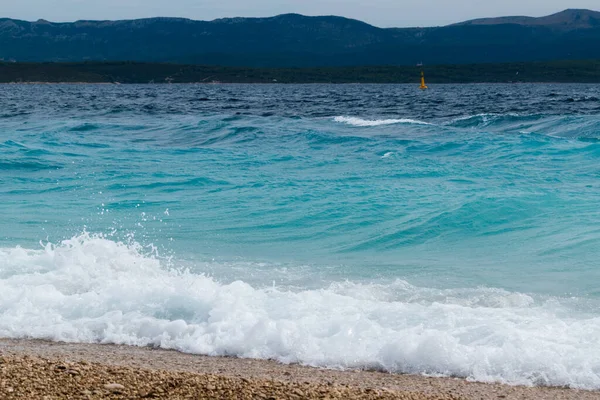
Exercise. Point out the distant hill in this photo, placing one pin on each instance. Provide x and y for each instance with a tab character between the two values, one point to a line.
293	40
565	20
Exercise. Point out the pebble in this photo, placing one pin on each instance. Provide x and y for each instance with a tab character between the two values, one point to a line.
114	387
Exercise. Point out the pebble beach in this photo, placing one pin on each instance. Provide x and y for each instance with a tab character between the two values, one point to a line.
33	369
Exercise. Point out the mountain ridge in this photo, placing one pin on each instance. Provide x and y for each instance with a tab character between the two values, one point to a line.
568	19
295	40
574	14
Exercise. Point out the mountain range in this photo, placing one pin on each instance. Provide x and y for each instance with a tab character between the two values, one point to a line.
293	40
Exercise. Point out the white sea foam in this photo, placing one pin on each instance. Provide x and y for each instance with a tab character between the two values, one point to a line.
354	121
480	119
91	289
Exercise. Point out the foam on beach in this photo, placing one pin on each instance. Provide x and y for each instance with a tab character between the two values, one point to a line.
95	290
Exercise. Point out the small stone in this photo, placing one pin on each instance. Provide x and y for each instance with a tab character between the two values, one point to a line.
114	387
73	372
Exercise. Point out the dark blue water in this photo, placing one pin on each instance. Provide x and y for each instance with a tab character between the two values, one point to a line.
452	231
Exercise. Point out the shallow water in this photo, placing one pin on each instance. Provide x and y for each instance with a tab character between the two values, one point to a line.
453	231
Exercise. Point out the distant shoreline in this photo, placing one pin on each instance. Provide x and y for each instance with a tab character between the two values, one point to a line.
587	71
290	83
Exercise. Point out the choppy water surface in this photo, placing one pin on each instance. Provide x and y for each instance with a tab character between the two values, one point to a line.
454	231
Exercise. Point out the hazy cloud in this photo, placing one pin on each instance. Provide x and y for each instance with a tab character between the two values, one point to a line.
383	13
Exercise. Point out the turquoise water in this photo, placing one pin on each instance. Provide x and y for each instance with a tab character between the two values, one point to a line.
454	231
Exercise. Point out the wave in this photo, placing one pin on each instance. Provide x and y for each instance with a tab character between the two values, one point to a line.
592	99
489	119
583	127
93	289
355	121
27	165
561	126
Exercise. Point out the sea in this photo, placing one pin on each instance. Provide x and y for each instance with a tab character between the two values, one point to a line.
448	232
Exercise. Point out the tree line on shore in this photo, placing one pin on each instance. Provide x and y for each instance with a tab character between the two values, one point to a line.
586	71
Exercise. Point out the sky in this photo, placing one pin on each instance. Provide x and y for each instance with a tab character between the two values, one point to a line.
382	13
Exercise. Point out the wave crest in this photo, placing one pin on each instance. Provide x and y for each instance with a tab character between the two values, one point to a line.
355	121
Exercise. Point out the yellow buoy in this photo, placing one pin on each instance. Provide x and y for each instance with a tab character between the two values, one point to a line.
423	86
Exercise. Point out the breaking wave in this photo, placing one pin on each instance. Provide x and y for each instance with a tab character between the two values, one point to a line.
355	121
92	289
